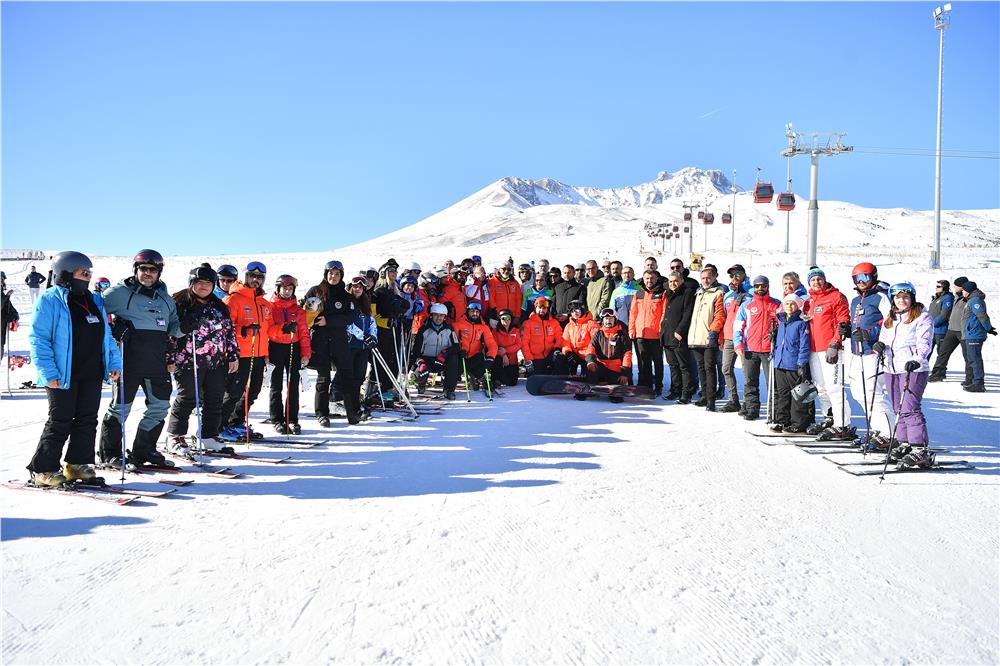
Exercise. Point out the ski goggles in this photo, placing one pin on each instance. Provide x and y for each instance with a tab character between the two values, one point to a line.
256	267
862	277
103	284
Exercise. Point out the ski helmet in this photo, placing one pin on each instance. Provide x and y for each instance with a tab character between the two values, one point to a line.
285	280
542	301
524	268
578	304
804	392
256	267
101	283
147	257
409	279
334	264
427	279
608	312
506	312
439	308
203	272
866	272
64	263
413	266
903	287
227	270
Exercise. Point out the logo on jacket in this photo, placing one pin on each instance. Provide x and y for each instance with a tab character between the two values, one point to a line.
753	309
338	305
818	309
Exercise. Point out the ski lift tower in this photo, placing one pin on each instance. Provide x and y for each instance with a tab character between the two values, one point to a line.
813	144
689	220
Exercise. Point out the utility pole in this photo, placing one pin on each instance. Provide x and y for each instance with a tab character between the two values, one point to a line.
690	207
813	144
942	19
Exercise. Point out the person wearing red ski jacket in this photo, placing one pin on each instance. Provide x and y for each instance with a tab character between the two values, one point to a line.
505	294
752	341
825	310
577	335
542	337
609	354
475	340
289	349
509	343
251	314
453	293
645	316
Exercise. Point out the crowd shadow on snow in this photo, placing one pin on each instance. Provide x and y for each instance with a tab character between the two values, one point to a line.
469	447
12	529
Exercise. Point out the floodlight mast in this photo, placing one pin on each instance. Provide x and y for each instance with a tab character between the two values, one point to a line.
942	19
813	144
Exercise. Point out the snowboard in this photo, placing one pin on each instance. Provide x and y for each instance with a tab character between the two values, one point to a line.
558	385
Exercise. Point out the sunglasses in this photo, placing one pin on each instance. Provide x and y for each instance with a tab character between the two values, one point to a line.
226	280
141	269
256	275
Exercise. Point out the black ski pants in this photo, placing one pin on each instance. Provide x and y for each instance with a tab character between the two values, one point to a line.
753	362
949	343
650	362
239	399
705	356
286	359
350	376
602	374
681	382
72	414
503	374
475	366
786	410
211	392
553	364
387	347
452	369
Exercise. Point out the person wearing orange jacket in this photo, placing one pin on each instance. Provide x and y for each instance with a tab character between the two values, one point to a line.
288	350
644	319
505	294
707	320
251	314
453	293
609	354
509	343
477	345
542	337
576	337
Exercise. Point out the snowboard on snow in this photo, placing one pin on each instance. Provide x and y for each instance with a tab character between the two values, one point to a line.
558	385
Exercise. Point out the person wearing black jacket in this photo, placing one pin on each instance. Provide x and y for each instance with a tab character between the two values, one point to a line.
566	292
390	306
329	337
34	280
673	333
8	314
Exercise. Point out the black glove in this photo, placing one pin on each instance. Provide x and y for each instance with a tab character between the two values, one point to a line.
912	366
860	335
190	321
844	329
878	347
992	331
122	329
489	360
803	373
289	327
250	330
557	352
371	342
713	339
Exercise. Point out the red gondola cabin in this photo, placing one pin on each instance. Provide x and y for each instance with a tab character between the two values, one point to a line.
727	218
786	201
763	193
709	218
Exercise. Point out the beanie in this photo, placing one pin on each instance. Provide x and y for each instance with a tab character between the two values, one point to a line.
969	286
794	298
761	279
815	271
960	281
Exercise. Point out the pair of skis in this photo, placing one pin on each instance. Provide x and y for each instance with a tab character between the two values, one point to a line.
95	491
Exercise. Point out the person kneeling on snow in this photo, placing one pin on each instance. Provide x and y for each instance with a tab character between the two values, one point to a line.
478	348
791	366
609	356
508	338
436	350
577	336
542	337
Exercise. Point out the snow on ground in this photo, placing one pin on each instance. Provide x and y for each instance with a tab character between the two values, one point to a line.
529	530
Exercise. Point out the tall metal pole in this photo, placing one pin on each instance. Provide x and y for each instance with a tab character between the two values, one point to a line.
813	230
942	21
732	238
788	214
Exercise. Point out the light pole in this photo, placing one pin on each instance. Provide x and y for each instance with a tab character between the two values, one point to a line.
732	237
942	19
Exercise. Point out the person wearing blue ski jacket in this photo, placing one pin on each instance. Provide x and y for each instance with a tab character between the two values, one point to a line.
869	310
791	366
975	328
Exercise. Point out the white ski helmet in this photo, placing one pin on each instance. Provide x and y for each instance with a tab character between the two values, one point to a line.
439	308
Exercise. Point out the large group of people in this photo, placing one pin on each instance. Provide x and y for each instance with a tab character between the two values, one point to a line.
375	336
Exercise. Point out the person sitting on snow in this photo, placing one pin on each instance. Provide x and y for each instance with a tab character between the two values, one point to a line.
478	347
609	356
436	350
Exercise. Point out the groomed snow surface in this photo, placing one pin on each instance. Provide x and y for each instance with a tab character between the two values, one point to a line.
529	530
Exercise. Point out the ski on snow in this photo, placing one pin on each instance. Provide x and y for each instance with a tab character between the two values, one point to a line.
872	469
100	496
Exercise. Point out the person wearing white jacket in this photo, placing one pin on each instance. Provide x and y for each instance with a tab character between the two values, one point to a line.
908	338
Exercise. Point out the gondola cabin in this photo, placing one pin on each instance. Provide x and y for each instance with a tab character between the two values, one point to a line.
786	201
763	193
727	218
687	217
709	218
687	229
676	229
701	215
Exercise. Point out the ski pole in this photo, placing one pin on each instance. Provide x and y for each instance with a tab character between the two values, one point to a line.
121	407
489	389
246	391
892	432
465	372
378	357
288	385
197	398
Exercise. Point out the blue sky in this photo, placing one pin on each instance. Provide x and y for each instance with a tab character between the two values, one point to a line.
281	127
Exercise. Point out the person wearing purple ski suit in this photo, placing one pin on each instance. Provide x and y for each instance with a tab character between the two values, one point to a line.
908	337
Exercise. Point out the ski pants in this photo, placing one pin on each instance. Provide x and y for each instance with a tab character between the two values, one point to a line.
786	410
34	292
211	392
827	378
974	371
157	390
603	374
286	358
650	362
911	427
681	381
350	376
503	374
72	414
695	375
947	346
475	366
575	365
729	371
553	364
452	368
239	397
753	362
705	357
870	387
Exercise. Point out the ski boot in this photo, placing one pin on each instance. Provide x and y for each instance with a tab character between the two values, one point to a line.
730	407
795	429
875	442
920	456
615	399
817	428
449	395
899	452
48	479
281	428
230	434
776	427
179	444
149	457
81	474
218	445
324	421
296	429
241	430
841	434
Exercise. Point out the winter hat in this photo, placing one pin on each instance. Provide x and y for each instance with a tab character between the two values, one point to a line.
581	267
960	281
761	279
736	267
815	271
969	286
439	308
793	298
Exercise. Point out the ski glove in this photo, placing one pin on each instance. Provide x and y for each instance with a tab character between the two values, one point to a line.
878	347
122	330
912	366
992	331
440	358
529	366
289	328
371	342
713	339
844	329
860	335
803	373
249	330
489	361
591	366
833	353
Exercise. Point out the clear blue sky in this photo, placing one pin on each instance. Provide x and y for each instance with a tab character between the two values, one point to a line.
196	127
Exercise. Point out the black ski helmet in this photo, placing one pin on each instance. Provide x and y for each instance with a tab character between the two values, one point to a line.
203	272
577	304
285	280
334	264
228	270
147	257
64	263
